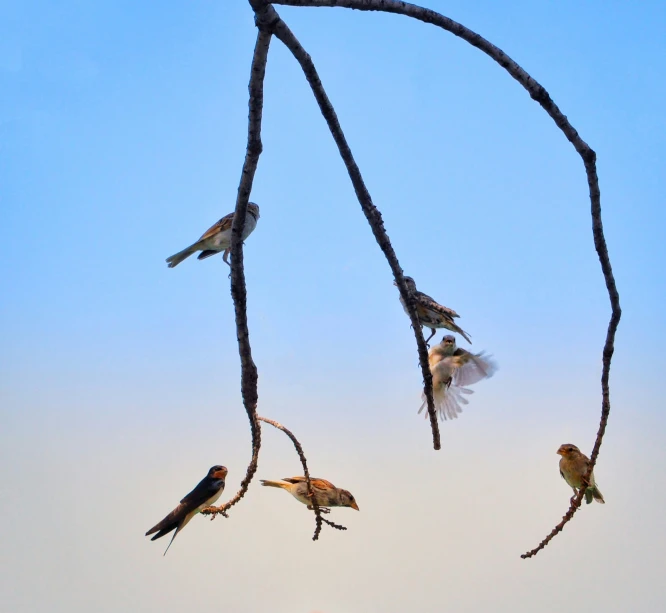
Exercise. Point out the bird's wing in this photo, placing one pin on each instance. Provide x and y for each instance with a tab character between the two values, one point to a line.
205	490
583	465
427	302
293	479
170	522
473	367
220	226
322	484
318	483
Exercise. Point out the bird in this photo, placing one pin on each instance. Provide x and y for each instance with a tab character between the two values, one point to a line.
325	493
452	370
573	466
207	491
217	238
431	314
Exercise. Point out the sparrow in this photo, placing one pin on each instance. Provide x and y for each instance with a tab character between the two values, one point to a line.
573	466
217	238
207	491
325	493
452	370
431	314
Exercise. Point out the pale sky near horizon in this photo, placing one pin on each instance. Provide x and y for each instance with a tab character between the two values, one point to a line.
122	136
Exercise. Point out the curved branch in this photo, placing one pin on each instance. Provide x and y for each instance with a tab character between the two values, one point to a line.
538	93
238	290
371	212
299	450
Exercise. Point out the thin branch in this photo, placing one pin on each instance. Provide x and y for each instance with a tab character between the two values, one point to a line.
538	93
299	450
371	212
238	290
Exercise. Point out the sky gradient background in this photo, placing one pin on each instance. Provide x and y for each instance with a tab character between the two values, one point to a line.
122	135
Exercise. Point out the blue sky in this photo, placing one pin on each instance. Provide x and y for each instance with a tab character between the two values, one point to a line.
122	135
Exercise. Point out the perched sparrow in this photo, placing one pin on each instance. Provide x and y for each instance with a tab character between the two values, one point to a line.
573	466
325	493
452	369
208	490
432	314
217	238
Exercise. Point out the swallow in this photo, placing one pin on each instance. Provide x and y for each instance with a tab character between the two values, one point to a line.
452	370
217	238
431	314
573	466
325	493
207	491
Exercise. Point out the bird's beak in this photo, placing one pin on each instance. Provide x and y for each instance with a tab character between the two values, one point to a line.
353	505
560	452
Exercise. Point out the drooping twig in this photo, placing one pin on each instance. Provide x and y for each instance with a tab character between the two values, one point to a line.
238	290
299	450
538	93
371	212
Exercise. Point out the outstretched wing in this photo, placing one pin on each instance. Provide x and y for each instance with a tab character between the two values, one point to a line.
473	367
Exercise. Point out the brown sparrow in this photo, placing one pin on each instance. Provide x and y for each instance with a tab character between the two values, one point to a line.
452	369
431	314
325	493
573	466
217	238
208	490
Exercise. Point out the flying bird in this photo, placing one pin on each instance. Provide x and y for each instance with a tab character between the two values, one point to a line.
431	314
452	370
208	490
325	493
217	238
573	466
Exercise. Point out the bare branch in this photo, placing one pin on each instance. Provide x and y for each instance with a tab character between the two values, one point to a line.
538	93
238	291
299	450
574	506
371	212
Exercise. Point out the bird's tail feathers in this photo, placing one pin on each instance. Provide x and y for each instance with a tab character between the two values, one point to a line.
162	532
175	534
448	401
596	494
462	333
280	484
177	258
